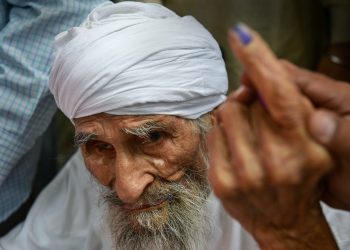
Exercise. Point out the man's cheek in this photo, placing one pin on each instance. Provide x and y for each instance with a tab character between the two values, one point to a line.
100	170
176	175
169	170
189	162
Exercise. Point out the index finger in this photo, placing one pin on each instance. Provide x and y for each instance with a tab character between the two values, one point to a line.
268	77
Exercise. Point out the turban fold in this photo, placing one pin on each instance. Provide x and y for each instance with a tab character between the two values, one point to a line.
135	58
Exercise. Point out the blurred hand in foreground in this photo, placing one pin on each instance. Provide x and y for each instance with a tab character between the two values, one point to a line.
264	165
329	124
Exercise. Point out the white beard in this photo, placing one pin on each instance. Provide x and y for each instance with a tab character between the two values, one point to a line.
181	224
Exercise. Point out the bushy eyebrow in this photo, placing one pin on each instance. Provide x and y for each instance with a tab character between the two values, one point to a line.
83	137
144	130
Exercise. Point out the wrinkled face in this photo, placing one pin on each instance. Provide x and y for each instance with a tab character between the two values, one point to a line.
154	171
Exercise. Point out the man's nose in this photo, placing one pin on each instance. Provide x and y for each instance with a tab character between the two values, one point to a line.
131	178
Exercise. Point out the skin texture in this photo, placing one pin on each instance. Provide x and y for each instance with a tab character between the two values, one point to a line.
264	165
330	125
128	163
153	172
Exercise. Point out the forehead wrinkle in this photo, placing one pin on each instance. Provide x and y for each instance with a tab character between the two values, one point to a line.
100	126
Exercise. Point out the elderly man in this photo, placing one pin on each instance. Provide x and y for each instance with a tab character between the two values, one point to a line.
140	83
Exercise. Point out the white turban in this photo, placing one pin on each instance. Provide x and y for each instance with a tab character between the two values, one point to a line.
134	58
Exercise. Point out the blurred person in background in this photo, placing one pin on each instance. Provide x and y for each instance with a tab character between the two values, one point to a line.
27	31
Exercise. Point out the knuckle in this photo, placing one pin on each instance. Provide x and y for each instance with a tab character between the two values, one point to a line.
291	68
252	178
289	177
283	170
318	160
222	182
286	111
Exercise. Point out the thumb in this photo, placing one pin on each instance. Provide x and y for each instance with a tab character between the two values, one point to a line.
331	130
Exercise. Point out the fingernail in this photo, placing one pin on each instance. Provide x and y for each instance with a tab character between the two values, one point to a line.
243	33
323	126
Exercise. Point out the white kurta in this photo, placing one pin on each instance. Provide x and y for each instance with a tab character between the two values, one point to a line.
67	216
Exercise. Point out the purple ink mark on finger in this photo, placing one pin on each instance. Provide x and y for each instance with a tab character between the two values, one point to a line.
243	33
262	102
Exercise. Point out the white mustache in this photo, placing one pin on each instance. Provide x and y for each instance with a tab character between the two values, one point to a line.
180	224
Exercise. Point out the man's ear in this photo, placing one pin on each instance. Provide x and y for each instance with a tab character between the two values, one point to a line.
213	120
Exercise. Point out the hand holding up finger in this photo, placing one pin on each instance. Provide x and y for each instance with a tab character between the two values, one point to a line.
264	165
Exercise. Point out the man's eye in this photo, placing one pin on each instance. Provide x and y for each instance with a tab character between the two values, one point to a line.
104	146
155	136
98	147
152	137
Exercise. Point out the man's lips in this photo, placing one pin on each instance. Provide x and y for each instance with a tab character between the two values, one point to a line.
145	206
